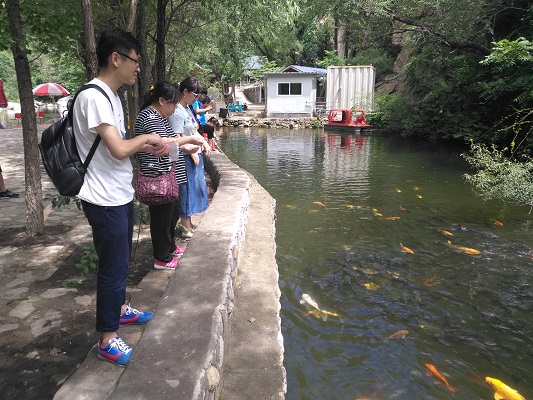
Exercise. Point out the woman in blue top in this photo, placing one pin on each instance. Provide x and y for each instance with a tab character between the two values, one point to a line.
193	195
160	103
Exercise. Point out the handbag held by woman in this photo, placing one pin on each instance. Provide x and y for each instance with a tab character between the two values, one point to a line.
154	190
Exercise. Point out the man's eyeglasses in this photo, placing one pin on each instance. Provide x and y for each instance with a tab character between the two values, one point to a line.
138	62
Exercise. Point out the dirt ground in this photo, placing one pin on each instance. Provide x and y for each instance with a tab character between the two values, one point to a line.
47	347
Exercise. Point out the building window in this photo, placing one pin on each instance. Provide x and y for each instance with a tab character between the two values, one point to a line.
289	89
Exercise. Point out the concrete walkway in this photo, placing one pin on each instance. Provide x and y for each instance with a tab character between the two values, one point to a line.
216	326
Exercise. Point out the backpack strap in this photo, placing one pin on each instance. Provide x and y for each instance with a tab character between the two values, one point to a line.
70	116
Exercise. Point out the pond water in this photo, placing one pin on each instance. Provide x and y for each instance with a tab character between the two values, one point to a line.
369	229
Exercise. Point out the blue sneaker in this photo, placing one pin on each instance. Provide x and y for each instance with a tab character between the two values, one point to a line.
135	317
116	351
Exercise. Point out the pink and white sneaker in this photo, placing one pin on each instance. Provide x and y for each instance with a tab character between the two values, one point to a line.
172	264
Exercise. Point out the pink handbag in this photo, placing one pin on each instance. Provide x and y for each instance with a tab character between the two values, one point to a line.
154	190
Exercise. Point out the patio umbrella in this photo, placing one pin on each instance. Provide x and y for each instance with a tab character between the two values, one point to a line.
50	89
3	98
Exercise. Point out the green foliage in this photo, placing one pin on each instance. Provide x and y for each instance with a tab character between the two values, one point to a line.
89	258
58	200
331	58
500	178
380	59
8	76
391	113
317	123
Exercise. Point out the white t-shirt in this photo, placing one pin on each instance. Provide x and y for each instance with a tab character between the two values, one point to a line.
108	180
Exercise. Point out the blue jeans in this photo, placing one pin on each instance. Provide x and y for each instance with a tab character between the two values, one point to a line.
112	229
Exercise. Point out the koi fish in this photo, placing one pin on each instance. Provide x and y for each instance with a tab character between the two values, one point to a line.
371	286
445	233
391	218
286	173
314	211
317	312
311	231
402	208
401	334
416	188
378	215
290	206
431	281
496	222
407	249
502	390
418	196
433	371
318	203
466	250
349	206
398	191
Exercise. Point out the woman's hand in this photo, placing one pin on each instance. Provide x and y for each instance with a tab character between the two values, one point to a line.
196	159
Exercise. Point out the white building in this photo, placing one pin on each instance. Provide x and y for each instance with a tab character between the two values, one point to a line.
293	92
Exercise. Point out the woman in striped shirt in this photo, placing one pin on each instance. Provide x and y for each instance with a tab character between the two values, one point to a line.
160	102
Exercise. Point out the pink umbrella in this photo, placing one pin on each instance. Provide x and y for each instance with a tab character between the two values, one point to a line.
50	89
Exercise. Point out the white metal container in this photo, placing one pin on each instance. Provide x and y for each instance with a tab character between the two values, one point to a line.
350	86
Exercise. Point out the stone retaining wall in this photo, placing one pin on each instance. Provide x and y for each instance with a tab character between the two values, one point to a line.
290	123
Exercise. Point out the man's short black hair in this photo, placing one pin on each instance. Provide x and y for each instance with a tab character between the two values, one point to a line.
115	39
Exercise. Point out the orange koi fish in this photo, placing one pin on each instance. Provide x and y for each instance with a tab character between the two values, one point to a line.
290	206
502	390
445	233
314	211
318	203
431	281
402	208
496	222
466	250
401	334
391	218
433	371
407	249
418	196
398	191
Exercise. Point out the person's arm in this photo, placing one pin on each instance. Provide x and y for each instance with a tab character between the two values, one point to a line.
121	149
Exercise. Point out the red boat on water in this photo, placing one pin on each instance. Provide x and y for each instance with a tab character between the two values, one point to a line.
347	120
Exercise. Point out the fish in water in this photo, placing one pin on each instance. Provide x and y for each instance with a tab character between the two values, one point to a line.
318	203
496	222
317	312
314	211
290	206
445	233
466	250
391	218
402	208
401	334
433	371
398	191
431	281
407	249
371	286
502	391
419	196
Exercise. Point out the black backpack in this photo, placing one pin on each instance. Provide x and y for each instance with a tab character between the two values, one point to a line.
60	155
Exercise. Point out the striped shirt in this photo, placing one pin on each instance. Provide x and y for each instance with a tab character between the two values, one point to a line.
150	122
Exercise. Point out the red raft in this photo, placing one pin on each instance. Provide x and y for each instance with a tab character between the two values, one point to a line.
347	120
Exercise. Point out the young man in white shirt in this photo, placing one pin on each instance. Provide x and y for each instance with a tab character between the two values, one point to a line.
107	192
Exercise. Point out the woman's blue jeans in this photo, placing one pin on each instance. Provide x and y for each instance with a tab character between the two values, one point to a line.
112	229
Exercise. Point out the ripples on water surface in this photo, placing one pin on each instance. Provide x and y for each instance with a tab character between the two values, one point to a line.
345	207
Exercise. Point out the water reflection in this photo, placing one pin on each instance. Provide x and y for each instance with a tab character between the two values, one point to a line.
374	230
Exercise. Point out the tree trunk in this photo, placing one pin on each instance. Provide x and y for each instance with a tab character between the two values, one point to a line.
340	32
91	61
160	41
32	170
